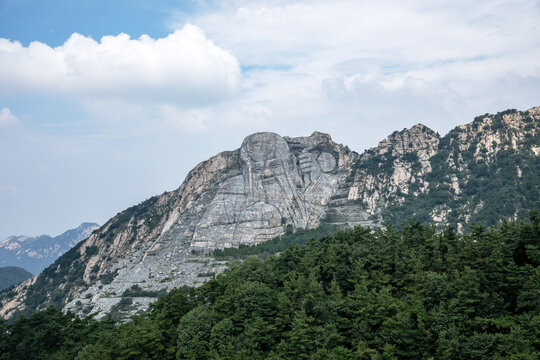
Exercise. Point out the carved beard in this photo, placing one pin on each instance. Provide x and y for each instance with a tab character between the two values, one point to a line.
283	190
282	194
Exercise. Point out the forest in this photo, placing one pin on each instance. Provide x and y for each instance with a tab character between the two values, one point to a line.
410	293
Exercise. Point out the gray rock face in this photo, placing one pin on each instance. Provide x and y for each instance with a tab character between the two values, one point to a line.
275	188
271	182
252	194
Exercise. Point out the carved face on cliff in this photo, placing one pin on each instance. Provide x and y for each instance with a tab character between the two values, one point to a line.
273	190
268	163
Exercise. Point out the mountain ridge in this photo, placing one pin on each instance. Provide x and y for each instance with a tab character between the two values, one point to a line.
34	253
414	173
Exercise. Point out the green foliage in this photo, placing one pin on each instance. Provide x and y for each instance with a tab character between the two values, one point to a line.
277	244
46	290
491	189
413	293
108	277
48	334
137	291
146	209
91	250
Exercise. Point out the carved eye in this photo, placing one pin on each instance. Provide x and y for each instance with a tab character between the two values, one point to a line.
257	170
275	165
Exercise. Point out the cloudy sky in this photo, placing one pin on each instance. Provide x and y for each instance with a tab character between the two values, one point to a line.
106	103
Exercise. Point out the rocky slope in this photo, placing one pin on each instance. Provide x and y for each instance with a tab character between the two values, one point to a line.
36	253
483	171
254	193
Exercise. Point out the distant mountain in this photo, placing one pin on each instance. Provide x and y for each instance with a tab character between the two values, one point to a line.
12	275
36	253
480	172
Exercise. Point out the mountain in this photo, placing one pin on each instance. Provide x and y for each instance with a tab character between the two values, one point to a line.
11	275
478	172
36	253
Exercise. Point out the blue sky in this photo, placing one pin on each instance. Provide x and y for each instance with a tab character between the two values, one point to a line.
54	21
106	103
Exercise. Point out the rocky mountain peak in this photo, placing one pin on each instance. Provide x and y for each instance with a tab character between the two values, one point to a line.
507	120
534	110
240	197
321	136
488	134
417	138
273	183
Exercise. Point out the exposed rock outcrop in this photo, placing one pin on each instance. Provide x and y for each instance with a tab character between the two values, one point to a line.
253	194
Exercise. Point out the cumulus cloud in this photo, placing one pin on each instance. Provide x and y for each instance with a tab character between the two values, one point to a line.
7	119
184	67
359	66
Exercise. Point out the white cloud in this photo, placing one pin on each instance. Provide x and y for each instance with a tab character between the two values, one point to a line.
348	67
294	32
184	67
357	67
7	119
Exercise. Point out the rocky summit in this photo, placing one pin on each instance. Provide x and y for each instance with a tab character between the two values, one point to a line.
272	184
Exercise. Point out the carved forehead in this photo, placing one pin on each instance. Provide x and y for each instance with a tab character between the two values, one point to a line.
264	146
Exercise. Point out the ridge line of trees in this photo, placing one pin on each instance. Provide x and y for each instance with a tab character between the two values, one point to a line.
412	293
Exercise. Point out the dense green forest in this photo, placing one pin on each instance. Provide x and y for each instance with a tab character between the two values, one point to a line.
277	244
413	293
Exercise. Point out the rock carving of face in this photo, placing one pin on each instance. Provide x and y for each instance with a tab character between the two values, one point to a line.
267	160
268	171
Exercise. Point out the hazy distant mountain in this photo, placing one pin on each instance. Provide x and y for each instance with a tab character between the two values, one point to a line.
36	253
479	172
12	275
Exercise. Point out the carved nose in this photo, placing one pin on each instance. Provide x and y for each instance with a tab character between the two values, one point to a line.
267	173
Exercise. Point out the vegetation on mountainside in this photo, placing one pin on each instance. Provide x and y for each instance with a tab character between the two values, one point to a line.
495	184
360	294
467	183
489	190
277	244
53	285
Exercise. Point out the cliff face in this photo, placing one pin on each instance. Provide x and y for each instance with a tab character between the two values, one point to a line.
254	193
241	197
397	166
481	171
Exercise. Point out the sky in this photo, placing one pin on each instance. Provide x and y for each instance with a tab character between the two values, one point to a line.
104	104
